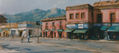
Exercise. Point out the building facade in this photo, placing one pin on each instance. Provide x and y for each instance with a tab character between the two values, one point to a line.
100	21
3	19
106	17
5	29
54	27
30	27
79	21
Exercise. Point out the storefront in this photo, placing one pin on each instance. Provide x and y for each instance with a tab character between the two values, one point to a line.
60	33
14	32
104	34
77	31
69	33
113	32
45	33
81	34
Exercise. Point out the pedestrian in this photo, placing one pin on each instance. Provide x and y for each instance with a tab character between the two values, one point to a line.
24	34
29	35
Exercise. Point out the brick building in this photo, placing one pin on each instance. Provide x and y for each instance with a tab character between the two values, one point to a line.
106	16
79	21
54	27
99	21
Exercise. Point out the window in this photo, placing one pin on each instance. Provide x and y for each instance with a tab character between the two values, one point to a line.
99	18
53	24
60	24
71	16
83	15
46	25
77	15
112	17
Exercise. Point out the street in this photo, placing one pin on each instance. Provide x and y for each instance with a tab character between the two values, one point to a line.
48	45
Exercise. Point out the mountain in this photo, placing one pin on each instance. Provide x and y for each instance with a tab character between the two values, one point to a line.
35	15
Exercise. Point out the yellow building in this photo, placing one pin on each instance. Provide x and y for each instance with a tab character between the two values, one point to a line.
5	28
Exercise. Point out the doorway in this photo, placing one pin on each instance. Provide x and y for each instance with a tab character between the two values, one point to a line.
99	18
60	34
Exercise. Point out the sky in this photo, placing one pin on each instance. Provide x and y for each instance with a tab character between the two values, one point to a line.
17	6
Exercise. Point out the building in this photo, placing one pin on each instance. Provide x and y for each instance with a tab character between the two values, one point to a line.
54	27
79	21
6	29
106	17
28	26
3	19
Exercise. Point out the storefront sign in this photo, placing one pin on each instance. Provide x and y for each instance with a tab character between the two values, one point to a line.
80	26
71	26
77	26
113	24
22	25
85	26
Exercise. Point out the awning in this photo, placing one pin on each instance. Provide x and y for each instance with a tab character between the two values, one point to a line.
104	28
80	31
52	29
46	30
68	30
113	29
60	30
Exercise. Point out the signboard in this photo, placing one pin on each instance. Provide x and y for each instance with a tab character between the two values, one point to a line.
22	25
85	26
25	25
71	26
114	24
80	26
77	26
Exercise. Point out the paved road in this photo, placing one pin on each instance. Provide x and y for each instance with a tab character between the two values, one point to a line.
58	46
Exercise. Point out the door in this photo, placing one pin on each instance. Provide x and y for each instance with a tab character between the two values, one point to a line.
99	18
60	34
51	34
13	32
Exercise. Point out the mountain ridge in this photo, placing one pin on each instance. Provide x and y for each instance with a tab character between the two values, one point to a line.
35	15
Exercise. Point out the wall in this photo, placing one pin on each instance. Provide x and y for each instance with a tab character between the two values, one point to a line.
50	27
77	11
106	15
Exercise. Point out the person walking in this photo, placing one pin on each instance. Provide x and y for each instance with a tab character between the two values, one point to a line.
24	34
29	35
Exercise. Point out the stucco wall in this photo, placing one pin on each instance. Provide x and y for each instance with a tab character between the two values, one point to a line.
77	11
106	15
57	26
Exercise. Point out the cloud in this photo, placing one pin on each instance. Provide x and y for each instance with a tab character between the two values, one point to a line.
59	2
16	6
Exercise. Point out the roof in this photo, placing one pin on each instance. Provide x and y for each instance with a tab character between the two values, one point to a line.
54	18
79	7
2	17
106	4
